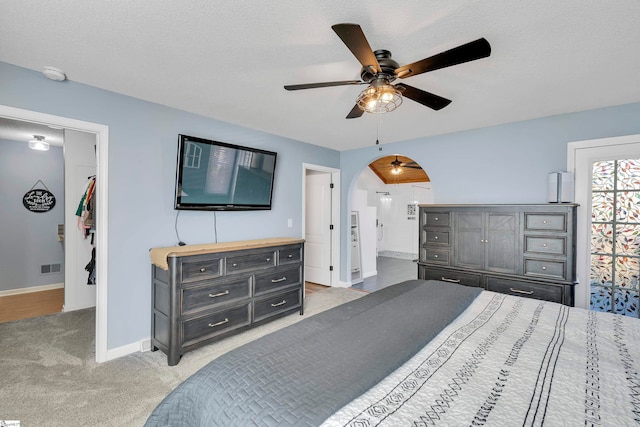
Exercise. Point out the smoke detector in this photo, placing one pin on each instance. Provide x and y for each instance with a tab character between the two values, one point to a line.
55	74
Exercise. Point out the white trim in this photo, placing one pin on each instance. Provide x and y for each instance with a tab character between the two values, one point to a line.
335	216
580	155
102	220
31	289
125	350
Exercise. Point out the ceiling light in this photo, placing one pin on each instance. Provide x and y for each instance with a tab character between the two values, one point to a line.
379	97
396	166
38	143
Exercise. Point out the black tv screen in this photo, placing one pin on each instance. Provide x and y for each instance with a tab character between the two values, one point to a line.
213	175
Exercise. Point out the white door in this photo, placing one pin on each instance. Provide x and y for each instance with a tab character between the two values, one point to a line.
598	285
79	165
317	249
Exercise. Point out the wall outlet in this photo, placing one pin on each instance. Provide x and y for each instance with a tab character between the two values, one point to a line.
290	223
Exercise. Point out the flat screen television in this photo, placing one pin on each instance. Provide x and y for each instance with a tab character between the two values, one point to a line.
213	175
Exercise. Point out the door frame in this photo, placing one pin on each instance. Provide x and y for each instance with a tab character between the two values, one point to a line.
102	222
580	155
335	215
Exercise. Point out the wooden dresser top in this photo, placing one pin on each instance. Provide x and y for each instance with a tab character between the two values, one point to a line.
159	256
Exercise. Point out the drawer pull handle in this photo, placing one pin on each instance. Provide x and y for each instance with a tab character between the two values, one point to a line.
290	256
284	301
234	265
444	279
268	259
436	218
221	294
544	245
435	256
435	238
222	322
544	222
520	291
202	269
282	279
544	268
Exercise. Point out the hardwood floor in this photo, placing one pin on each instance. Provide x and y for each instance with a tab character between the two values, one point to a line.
310	287
32	304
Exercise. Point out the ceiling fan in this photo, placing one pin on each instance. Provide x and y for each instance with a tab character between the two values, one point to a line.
379	71
397	165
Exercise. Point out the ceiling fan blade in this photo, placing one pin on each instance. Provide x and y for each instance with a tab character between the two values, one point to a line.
467	52
324	84
355	112
353	37
427	99
411	167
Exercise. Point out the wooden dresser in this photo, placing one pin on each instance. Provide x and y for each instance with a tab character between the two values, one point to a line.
524	250
202	293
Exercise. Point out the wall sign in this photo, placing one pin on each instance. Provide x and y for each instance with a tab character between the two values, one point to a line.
38	200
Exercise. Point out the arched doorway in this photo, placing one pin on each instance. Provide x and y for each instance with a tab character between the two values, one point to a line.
385	198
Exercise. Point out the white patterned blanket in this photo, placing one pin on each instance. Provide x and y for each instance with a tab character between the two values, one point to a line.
510	361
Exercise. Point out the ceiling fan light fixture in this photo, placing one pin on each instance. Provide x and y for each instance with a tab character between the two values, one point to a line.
38	143
379	97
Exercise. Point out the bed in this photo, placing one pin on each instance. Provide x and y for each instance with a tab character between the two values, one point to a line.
424	353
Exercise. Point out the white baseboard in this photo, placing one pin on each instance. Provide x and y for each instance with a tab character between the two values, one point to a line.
370	274
134	347
31	289
341	284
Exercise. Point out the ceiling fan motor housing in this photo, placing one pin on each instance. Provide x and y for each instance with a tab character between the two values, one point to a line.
387	65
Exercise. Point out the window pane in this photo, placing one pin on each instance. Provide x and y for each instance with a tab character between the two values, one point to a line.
601	270
601	238
628	207
627	272
627	239
629	174
600	298
626	302
603	174
602	207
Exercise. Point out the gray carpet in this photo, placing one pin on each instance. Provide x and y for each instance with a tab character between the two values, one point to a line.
49	377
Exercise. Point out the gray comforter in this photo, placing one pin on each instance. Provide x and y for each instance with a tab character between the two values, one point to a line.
302	374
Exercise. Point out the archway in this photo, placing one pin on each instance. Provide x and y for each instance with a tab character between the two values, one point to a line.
385	197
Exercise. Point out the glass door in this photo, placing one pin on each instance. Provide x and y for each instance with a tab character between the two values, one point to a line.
615	236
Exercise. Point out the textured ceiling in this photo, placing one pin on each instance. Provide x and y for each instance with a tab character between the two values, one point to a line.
230	60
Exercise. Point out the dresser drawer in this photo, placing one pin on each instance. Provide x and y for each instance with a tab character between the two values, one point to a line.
439	256
242	263
290	255
436	237
450	276
437	219
266	282
276	304
201	268
545	268
213	324
545	245
199	297
548	222
540	291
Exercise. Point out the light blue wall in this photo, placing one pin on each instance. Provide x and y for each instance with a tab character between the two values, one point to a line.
29	239
500	164
143	141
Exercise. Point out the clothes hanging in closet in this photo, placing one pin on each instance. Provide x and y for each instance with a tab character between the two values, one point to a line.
87	224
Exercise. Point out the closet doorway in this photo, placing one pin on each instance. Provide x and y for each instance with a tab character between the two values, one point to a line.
101	139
